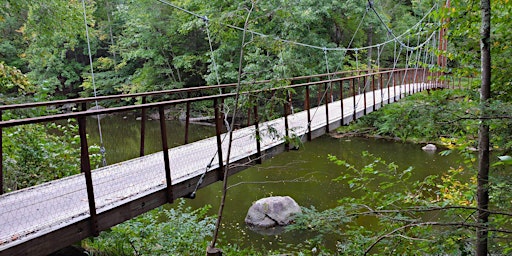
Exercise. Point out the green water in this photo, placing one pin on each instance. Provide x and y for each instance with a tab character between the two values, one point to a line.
305	175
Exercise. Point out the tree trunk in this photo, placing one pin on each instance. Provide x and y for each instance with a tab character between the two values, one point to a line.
483	134
370	50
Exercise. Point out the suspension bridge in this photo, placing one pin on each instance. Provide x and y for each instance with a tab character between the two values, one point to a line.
41	219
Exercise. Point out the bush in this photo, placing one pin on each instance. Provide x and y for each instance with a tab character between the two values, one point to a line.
180	231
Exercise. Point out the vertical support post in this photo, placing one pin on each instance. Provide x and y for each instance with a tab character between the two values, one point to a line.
364	94
409	83
187	118
85	167
165	149
308	108
257	131
393	75
1	156
400	79
143	127
341	102
389	90
326	101
218	131
373	89
354	97
286	127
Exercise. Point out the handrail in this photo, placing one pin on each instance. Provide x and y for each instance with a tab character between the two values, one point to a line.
55	117
156	93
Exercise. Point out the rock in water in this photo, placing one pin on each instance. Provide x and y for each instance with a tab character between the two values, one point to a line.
429	147
272	211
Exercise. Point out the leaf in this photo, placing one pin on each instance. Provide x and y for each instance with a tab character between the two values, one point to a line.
507	160
445	152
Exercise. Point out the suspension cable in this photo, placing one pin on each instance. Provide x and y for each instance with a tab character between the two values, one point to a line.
315	46
209	165
370	4
102	147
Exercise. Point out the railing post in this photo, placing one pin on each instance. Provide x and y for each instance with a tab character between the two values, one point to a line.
352	84
187	118
143	127
408	80
286	127
257	133
1	156
85	167
393	75
364	94
401	78
411	81
326	108
373	89
389	91
165	149
308	109
218	128
341	102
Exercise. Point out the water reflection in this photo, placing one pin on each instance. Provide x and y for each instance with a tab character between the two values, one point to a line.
121	135
305	175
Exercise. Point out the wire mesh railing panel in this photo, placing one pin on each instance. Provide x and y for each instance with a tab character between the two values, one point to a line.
36	209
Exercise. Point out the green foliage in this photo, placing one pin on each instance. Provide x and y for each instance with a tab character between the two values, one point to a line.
13	81
442	116
463	36
422	116
177	231
34	154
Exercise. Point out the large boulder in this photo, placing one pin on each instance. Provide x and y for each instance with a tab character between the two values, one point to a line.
272	212
429	148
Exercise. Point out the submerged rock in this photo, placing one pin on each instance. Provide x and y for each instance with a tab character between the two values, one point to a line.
271	212
429	147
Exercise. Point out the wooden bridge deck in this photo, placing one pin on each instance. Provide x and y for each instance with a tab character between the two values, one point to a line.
41	219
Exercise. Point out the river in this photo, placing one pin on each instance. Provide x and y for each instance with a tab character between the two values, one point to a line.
305	175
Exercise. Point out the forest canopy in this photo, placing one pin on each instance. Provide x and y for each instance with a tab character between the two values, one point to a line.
151	45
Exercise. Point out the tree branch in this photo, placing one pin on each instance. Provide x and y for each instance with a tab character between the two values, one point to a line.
428	209
447	224
476	118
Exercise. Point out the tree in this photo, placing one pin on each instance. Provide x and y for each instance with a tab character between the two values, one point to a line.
483	135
